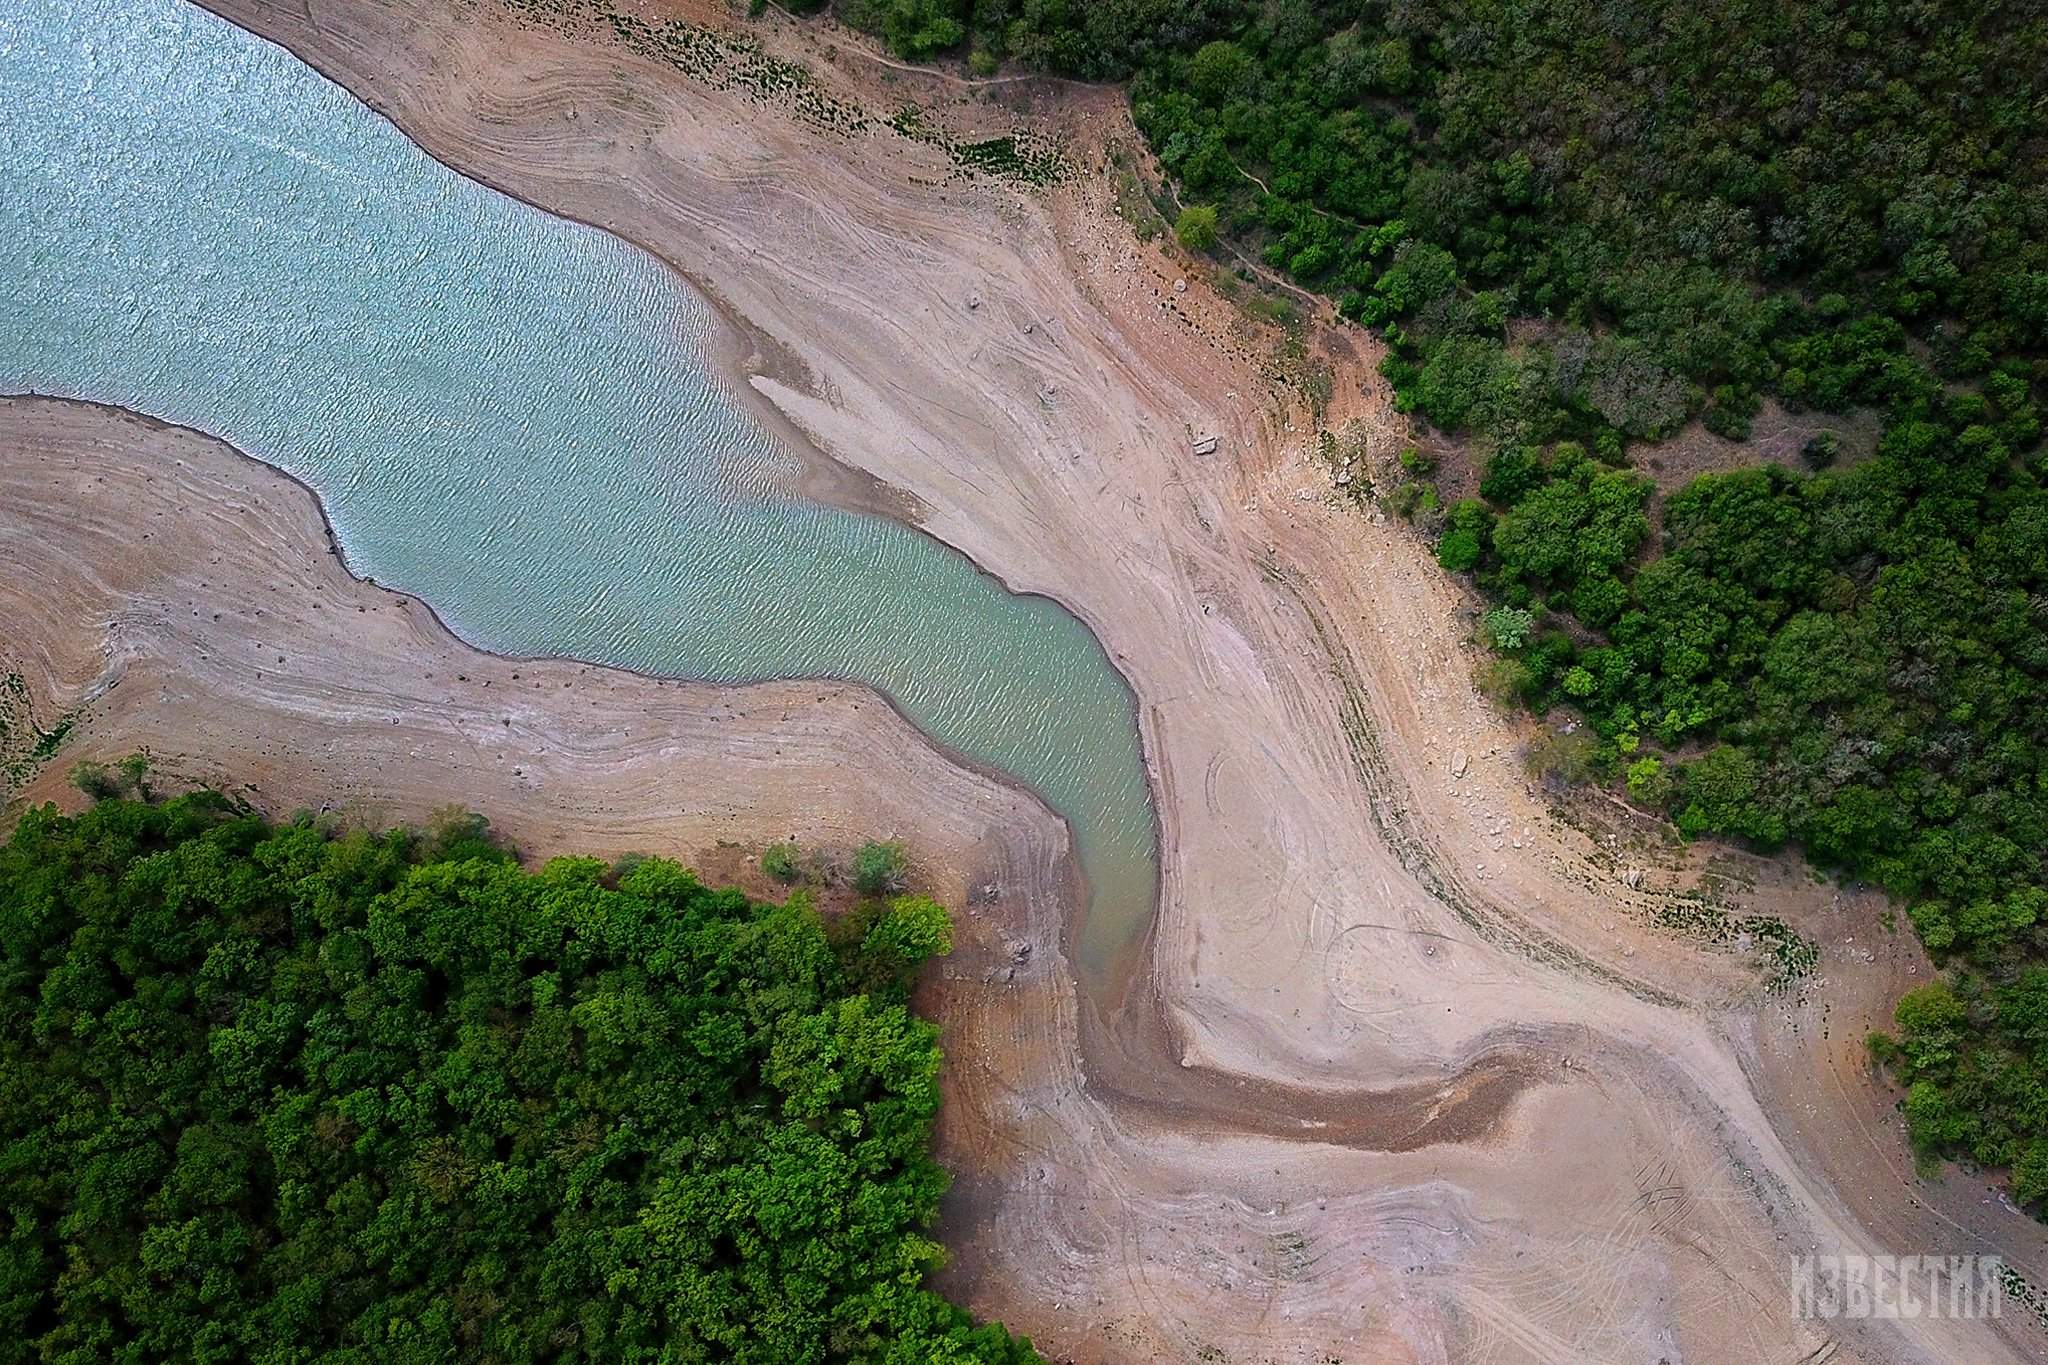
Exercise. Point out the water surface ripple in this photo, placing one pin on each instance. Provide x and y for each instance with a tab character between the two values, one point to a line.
505	413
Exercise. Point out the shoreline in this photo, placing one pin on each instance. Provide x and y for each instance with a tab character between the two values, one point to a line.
728	355
333	547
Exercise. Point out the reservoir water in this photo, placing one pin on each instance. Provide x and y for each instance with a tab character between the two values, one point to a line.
505	413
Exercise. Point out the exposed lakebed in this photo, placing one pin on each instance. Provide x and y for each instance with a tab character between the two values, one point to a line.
505	413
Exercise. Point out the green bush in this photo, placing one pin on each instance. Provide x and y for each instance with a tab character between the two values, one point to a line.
96	780
1648	782
781	861
1457	550
1564	758
1509	627
1196	227
878	868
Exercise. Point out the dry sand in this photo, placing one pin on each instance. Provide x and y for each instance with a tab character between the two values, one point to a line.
1362	895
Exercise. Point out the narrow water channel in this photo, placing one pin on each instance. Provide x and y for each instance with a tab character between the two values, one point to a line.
507	414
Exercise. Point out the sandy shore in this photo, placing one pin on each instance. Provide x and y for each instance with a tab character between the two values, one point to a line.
166	593
1361	894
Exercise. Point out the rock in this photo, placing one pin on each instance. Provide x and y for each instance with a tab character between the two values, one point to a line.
974	300
1459	760
1634	877
1180	286
1020	951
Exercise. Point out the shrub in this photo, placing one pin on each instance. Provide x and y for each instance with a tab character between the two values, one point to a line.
1648	782
1220	70
1196	227
1821	449
1458	550
878	868
1511	472
95	780
780	862
1509	627
129	777
1504	681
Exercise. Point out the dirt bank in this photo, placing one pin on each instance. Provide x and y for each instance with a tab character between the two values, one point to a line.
1360	892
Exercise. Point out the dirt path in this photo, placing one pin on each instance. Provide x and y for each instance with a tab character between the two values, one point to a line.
1361	893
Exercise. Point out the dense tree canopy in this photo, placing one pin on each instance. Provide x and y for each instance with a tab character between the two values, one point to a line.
1843	205
272	1093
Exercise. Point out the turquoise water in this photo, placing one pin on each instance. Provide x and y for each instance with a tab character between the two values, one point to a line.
505	413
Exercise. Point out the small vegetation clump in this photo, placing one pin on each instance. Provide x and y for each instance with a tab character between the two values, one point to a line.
277	1093
782	862
1196	227
25	745
878	868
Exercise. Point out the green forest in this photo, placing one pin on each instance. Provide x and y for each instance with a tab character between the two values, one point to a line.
1583	230
278	1093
